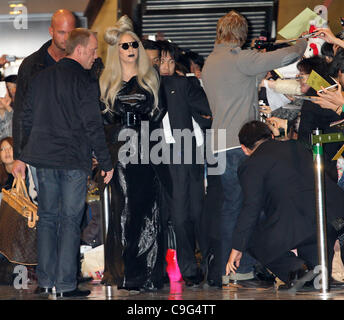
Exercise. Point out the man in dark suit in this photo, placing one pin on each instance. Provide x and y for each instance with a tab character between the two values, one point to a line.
278	179
186	105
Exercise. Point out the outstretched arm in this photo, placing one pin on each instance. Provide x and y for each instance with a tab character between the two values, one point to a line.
328	36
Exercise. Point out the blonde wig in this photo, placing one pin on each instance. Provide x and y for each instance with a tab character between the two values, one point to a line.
111	78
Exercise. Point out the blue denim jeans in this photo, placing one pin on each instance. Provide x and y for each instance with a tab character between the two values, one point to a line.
231	208
61	204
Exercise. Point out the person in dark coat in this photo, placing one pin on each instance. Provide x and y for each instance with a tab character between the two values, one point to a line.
278	180
186	105
63	123
62	22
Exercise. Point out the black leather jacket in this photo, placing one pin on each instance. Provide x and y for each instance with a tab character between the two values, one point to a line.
31	66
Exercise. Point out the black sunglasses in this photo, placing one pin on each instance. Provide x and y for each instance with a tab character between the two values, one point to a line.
125	45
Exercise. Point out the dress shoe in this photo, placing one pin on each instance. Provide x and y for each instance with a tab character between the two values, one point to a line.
262	273
43	291
213	280
77	293
250	284
300	280
214	283
195	280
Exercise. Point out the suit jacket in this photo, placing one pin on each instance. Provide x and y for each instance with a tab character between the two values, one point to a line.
184	98
278	179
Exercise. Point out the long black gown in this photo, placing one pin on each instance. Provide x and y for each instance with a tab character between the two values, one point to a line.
134	256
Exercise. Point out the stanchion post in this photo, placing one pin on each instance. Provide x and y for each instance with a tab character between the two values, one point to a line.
105	213
105	224
320	211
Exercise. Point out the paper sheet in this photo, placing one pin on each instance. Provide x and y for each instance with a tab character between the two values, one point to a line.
289	71
316	81
300	24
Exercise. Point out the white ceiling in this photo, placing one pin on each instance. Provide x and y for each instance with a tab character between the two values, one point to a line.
48	6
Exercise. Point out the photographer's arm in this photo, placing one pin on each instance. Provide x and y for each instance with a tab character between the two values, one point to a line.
253	63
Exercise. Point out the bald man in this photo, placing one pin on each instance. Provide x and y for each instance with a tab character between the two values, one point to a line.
62	22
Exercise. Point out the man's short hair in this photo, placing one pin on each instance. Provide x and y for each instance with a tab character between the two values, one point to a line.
169	47
78	36
195	58
232	27
252	132
150	45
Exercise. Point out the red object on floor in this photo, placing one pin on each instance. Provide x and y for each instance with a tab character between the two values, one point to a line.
172	268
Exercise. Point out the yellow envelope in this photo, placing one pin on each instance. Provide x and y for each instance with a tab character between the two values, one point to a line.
300	24
316	81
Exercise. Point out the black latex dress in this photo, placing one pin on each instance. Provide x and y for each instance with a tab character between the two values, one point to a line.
134	254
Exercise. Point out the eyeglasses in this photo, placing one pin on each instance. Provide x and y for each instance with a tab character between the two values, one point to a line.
6	148
125	45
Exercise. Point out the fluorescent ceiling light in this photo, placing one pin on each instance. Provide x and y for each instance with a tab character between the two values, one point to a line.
16	12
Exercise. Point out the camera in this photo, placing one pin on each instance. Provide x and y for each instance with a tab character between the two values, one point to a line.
263	44
268	45
10	58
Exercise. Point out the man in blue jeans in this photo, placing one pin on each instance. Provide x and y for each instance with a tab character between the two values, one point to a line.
230	76
233	198
61	117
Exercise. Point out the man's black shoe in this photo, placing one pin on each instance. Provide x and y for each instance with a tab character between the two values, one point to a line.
261	273
77	293
42	291
194	280
250	284
213	283
300	281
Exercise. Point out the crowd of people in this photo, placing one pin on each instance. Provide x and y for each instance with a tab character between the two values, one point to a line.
251	223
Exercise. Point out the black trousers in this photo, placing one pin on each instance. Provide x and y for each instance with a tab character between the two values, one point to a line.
183	207
211	227
307	254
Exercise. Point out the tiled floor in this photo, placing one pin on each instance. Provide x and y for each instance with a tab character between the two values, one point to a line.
176	291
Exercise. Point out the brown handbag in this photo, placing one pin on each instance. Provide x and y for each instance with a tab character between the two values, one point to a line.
18	218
